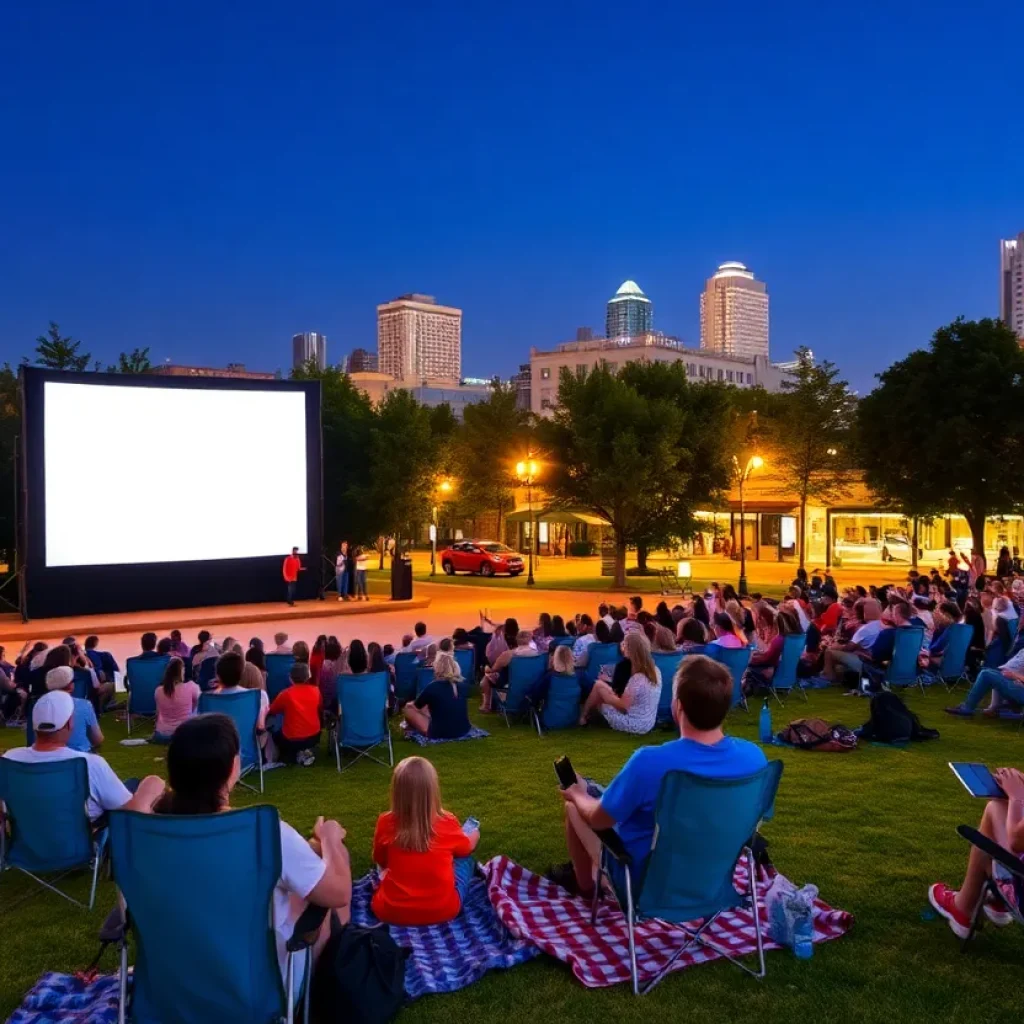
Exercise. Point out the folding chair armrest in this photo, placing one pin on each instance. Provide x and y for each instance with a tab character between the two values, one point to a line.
998	853
307	928
612	843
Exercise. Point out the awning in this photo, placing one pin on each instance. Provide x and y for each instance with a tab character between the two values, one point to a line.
555	516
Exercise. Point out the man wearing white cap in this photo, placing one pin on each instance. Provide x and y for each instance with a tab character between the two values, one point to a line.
85	728
52	721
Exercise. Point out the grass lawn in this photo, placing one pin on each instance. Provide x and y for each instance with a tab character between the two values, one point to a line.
872	829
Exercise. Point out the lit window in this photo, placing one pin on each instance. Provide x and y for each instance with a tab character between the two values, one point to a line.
545	373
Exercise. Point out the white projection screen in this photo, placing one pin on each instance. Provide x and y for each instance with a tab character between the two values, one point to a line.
167	492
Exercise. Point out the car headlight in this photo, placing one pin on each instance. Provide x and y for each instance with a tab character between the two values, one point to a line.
496	558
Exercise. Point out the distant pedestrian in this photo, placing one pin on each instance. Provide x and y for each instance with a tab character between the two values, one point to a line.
290	571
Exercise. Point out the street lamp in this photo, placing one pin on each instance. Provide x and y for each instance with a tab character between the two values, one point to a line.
444	489
526	472
754	462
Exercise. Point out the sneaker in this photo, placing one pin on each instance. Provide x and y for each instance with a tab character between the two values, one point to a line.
305	758
942	898
961	711
997	911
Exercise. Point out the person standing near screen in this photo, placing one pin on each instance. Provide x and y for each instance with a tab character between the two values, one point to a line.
290	571
341	571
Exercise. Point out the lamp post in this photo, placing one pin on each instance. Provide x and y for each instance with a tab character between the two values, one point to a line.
444	488
754	462
526	473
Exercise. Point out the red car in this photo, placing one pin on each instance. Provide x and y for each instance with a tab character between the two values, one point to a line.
485	557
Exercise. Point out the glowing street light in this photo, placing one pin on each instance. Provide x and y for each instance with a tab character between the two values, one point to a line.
754	462
527	471
444	490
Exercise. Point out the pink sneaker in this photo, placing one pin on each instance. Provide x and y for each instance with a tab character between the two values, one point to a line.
997	911
942	898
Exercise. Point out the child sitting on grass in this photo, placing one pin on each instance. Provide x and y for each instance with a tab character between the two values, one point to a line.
422	851
300	705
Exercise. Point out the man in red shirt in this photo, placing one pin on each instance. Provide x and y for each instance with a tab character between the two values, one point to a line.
290	571
828	620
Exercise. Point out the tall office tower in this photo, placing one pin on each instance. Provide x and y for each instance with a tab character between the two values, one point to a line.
734	313
1011	284
309	345
629	314
419	340
361	361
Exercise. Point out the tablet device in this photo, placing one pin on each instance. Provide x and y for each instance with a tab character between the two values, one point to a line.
977	780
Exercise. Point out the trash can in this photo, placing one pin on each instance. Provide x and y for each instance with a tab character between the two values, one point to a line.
401	579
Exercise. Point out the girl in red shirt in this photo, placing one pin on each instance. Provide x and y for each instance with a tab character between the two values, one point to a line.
422	851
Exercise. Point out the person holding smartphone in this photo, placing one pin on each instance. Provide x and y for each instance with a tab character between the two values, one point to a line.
1003	823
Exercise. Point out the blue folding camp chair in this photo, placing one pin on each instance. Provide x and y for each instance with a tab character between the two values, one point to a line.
952	670
48	828
561	708
207	673
465	658
784	676
524	672
142	677
244	710
736	660
599	655
668	664
363	701
560	641
903	669
702	829
405	676
279	667
424	677
83	683
206	951
1004	862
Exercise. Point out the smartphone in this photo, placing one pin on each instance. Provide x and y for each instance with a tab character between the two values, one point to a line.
565	772
470	825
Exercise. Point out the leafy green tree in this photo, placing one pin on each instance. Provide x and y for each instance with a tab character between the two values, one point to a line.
10	428
809	429
136	361
57	352
944	430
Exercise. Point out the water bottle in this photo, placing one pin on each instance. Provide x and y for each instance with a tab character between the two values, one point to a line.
766	724
803	934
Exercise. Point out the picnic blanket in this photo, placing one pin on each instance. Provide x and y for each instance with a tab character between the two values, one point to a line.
475	733
65	999
450	956
533	908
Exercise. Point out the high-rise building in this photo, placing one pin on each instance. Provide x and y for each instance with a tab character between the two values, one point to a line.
418	340
629	313
309	345
521	382
361	361
734	313
1011	284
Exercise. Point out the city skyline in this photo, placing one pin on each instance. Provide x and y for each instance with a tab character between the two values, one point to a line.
152	208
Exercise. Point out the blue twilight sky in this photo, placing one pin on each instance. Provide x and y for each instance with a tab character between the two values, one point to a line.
208	178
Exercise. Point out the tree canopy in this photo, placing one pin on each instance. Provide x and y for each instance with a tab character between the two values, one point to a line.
57	352
136	361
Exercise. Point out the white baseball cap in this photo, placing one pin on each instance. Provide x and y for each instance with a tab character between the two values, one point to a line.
60	678
52	711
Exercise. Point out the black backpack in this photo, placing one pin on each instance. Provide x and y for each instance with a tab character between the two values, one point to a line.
359	978
893	722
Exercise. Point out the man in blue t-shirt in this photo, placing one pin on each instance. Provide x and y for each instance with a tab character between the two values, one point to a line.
703	696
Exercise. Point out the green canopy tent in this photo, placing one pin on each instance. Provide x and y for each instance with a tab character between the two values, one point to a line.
565	517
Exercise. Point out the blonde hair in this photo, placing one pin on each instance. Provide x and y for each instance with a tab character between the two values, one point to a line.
664	641
447	668
637	648
415	803
562	660
252	678
736	613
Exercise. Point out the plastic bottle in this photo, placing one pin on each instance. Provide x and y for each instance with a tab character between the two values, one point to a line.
765	726
801	910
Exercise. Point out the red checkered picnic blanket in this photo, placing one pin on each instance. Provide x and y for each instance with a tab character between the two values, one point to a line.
533	908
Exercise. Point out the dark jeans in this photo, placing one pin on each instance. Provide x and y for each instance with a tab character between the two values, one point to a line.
290	593
289	749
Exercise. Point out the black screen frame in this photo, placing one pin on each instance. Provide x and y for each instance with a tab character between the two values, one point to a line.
97	589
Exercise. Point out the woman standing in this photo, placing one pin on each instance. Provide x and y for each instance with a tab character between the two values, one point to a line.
362	563
341	571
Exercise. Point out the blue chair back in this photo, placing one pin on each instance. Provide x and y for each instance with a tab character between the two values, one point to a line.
144	676
667	663
46	812
207	673
204	951
736	660
701	827
424	677
784	677
466	660
954	657
599	655
906	647
244	710
363	701
560	641
82	683
405	675
562	707
278	678
524	672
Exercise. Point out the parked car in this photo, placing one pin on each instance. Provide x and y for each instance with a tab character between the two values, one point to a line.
891	547
485	557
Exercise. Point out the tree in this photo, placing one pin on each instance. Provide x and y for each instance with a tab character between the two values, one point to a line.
137	361
809	427
10	428
944	430
59	353
619	448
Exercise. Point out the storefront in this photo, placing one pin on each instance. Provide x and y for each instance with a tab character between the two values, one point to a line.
559	532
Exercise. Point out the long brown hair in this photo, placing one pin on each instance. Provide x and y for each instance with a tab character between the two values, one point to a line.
637	648
415	803
173	674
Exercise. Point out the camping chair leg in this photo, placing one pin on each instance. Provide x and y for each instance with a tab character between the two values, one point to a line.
97	857
391	749
775	693
976	915
122	987
53	888
630	929
536	722
337	750
259	761
289	988
307	978
752	876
